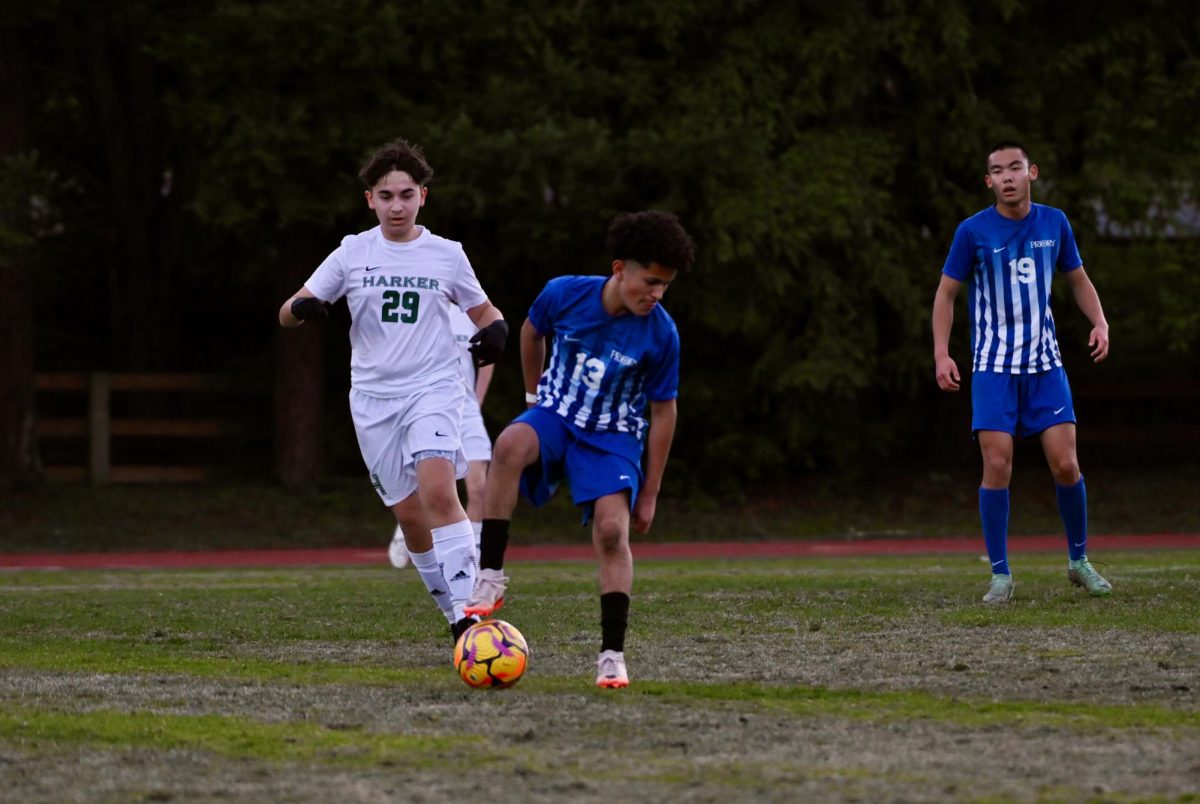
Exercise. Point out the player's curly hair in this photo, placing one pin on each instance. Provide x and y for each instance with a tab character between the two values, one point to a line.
398	154
649	237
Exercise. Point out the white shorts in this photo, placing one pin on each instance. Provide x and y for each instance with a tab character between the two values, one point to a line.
391	430
476	443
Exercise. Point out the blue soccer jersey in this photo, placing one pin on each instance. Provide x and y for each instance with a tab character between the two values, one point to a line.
603	368
1008	266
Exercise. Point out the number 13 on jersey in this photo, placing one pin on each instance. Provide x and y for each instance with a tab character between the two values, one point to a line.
588	370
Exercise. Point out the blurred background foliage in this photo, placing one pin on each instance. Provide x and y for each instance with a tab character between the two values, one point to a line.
171	172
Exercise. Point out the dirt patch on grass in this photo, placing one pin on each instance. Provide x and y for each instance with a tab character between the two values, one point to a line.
528	745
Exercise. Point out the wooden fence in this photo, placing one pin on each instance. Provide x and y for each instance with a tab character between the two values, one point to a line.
99	428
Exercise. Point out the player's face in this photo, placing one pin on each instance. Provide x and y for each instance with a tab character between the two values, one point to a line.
641	287
396	200
1009	176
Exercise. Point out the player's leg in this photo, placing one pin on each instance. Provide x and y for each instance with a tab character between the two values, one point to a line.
610	538
994	407
516	448
478	448
1058	442
996	449
377	423
452	537
410	516
476	482
398	548
606	485
432	437
1050	412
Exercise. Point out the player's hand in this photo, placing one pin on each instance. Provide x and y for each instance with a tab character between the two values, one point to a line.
946	371
643	511
487	345
1098	341
307	308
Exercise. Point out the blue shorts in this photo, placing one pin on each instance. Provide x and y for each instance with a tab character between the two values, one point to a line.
592	472
1020	404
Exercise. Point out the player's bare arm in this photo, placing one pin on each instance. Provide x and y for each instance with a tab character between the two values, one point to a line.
484	314
298	309
1089	304
945	369
658	447
533	357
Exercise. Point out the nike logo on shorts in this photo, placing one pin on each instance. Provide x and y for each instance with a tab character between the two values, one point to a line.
1060	410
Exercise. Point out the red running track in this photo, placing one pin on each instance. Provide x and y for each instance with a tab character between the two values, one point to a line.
174	559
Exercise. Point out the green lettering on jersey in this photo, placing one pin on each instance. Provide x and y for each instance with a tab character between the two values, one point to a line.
393	301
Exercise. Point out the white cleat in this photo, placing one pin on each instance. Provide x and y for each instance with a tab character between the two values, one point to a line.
398	550
610	670
488	597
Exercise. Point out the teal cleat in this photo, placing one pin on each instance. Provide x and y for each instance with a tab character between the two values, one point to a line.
1081	573
1001	590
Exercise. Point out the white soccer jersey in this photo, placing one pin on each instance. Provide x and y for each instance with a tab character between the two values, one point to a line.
399	295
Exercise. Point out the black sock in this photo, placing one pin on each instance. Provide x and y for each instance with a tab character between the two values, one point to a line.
614	619
493	541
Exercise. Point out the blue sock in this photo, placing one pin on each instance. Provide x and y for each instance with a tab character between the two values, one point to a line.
993	513
1072	506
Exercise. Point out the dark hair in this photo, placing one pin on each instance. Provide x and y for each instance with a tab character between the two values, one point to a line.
649	237
396	155
1004	145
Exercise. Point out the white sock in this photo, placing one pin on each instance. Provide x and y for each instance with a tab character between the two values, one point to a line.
455	548
427	566
478	528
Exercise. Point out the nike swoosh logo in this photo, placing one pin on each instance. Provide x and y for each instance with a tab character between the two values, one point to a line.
1081	544
624	477
440	434
374	268
994	251
569	339
997	563
1060	410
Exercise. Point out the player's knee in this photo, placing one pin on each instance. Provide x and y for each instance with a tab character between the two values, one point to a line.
514	449
475	488
609	534
441	503
1065	470
997	464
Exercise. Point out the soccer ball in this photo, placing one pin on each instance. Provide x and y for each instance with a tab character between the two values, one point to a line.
491	654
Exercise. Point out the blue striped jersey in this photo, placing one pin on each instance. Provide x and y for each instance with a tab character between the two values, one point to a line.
1008	266
603	368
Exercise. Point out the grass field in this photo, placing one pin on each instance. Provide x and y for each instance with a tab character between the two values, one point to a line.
783	680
